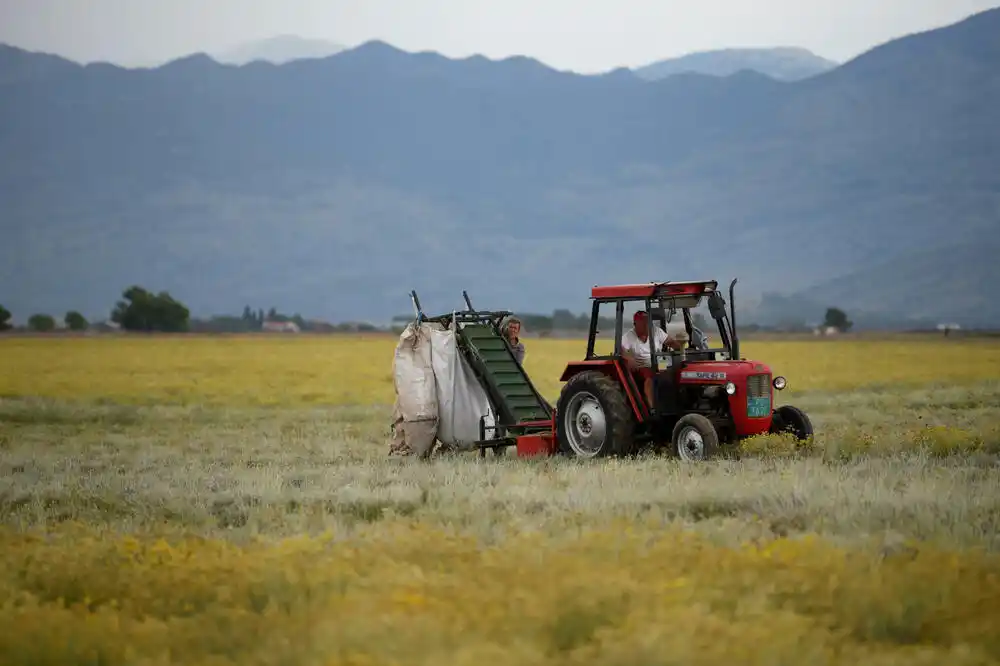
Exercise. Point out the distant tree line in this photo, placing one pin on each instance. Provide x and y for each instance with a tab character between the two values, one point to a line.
142	310
252	320
565	320
42	323
139	310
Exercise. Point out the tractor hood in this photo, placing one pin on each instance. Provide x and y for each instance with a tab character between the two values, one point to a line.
721	370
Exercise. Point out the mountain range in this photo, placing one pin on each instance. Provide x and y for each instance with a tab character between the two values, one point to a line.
332	186
278	50
785	63
782	63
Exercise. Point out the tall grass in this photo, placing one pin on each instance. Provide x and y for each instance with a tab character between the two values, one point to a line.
225	500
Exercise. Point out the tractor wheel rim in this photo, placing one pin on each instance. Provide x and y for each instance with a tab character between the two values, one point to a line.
690	444
586	427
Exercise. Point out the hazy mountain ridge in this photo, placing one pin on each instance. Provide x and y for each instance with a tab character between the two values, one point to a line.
783	63
278	50
332	186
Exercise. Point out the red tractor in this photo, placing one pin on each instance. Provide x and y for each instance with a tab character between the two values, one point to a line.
703	397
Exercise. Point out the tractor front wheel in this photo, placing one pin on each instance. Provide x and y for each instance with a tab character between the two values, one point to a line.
593	417
695	438
793	420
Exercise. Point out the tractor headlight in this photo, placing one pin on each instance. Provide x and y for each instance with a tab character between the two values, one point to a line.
730	388
779	382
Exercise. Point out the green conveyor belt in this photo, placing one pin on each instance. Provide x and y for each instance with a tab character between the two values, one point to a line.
509	383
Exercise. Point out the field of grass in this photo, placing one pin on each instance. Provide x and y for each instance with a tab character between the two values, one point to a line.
228	500
357	369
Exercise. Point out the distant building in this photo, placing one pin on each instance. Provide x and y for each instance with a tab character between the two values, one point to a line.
280	327
948	328
104	327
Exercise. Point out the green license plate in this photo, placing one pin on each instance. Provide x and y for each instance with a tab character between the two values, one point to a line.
758	407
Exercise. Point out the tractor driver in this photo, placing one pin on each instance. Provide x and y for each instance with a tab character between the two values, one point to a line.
635	349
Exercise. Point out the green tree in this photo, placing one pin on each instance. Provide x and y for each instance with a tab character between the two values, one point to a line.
837	318
536	323
563	319
5	319
254	320
41	323
144	311
75	321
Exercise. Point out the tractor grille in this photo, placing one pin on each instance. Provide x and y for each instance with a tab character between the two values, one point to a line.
759	386
758	396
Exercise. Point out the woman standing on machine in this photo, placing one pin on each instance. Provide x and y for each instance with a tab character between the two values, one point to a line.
512	331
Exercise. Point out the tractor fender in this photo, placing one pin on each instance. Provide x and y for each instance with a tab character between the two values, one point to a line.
576	367
616	370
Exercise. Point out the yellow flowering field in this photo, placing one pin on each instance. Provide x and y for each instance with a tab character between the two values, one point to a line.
228	500
357	369
404	594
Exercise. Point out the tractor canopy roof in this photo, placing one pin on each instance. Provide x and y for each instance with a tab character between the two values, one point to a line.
640	292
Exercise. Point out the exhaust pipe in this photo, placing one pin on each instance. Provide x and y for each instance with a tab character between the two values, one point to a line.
732	320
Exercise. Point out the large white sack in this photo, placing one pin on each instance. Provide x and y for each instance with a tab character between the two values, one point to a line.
462	401
413	374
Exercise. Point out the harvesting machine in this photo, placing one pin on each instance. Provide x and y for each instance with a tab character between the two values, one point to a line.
704	398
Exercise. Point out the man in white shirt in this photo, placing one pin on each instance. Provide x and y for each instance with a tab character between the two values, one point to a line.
635	349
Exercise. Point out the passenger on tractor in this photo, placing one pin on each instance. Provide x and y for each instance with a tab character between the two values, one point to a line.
635	351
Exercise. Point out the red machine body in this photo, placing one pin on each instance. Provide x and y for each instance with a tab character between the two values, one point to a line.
722	398
537	444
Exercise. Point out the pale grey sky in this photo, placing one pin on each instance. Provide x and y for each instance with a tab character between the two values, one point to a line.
580	35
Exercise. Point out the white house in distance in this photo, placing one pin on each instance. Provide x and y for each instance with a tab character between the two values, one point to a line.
279	327
948	328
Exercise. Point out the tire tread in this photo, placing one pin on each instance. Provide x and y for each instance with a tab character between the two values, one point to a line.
620	419
709	434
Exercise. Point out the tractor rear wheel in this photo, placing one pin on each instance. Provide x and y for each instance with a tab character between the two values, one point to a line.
791	419
695	438
593	417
